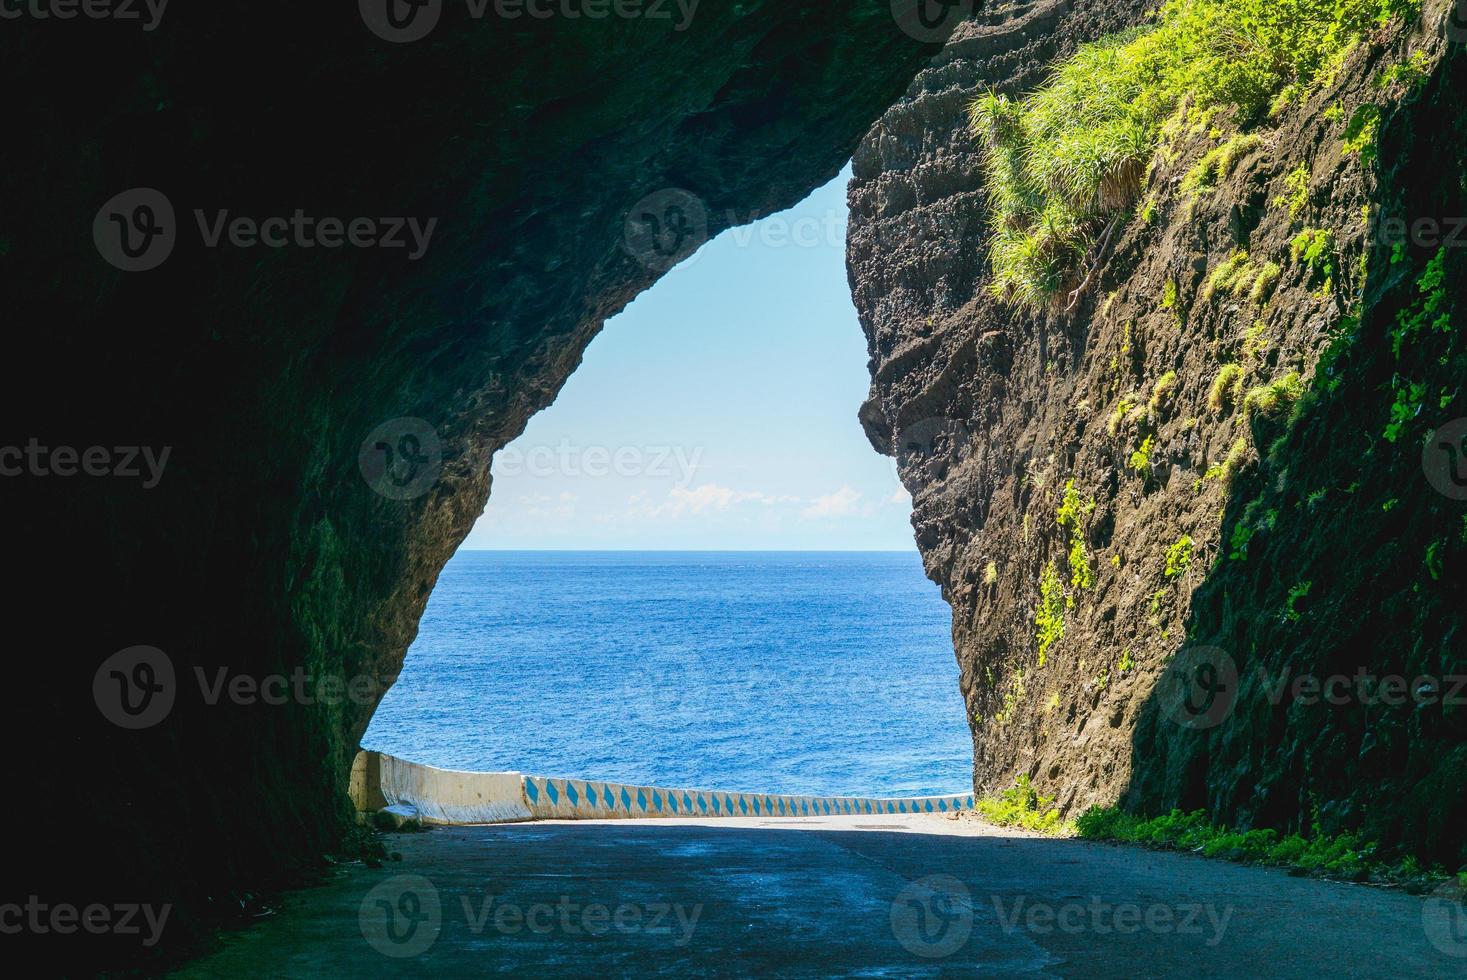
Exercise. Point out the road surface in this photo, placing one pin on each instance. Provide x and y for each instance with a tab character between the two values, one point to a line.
836	896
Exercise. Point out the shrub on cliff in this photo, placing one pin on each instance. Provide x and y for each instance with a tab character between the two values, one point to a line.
1022	806
1064	165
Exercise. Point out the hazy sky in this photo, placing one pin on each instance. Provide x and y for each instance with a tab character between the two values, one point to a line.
716	412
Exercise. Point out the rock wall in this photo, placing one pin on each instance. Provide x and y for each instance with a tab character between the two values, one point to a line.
1319	549
1234	549
328	406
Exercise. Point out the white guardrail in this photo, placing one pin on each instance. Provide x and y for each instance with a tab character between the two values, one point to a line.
444	796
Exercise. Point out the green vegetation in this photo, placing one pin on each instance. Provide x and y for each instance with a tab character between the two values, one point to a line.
1297	187
1226	470
1361	133
1249	525
1238	544
1266	279
1433	560
1227	388
1161	392
1049	618
1225	274
1315	247
1072	511
1274	397
1118	417
1405	408
990	574
1065	166
1141	459
1238	275
1410	74
1012	698
1178	557
1346	856
1082	575
1217	164
1233	462
1022	806
1255	344
1296	594
1430	311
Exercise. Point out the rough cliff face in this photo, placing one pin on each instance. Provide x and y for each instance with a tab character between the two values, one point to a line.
440	212
1238	553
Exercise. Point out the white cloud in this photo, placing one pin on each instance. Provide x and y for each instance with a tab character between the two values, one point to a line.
842	503
706	499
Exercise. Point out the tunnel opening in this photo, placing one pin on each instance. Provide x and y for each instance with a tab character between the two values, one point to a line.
693	570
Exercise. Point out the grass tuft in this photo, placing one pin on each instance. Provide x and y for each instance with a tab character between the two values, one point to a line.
1066	164
1022	806
1274	397
1226	390
1346	855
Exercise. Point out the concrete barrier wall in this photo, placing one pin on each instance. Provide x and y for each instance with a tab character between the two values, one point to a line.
578	799
443	796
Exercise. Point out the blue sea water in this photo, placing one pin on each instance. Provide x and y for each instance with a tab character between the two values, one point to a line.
788	672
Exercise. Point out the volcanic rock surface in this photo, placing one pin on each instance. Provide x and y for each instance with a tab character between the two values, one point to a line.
1321	548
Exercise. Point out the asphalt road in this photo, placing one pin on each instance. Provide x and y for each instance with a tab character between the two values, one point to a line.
846	896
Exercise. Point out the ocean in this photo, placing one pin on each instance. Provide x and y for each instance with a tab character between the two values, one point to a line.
779	672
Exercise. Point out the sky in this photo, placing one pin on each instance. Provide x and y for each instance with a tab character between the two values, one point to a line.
717	412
